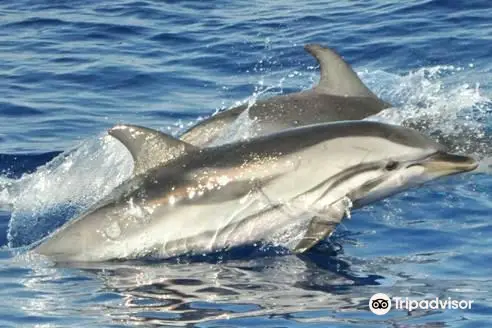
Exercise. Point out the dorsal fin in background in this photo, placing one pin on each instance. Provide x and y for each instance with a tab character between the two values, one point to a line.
337	76
148	147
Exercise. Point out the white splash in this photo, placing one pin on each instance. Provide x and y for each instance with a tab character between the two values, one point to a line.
74	179
440	103
243	127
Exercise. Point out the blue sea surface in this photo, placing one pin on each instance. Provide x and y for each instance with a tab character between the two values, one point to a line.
69	70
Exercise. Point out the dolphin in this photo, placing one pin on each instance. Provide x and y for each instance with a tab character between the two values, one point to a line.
291	188
340	95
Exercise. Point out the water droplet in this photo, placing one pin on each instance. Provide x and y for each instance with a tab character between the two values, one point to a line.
113	231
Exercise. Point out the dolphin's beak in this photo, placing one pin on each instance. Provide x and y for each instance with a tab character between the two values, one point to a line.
442	163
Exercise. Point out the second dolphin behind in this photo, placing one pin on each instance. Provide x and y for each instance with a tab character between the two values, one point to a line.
340	95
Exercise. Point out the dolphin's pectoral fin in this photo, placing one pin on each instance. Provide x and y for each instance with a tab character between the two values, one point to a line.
337	76
321	226
148	147
318	229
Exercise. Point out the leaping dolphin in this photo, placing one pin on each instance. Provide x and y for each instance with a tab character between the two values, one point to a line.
292	187
340	95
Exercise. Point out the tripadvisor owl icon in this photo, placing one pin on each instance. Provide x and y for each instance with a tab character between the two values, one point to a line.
380	304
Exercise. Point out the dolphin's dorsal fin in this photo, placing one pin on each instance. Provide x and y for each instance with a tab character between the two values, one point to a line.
148	147
337	76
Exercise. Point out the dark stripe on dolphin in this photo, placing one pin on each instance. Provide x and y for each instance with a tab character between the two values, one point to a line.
344	175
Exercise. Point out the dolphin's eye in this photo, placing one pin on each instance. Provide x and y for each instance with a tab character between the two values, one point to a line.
391	165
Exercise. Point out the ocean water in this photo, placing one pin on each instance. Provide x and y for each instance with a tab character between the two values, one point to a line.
69	70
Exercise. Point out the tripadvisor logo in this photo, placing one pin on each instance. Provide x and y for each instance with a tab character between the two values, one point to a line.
381	304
